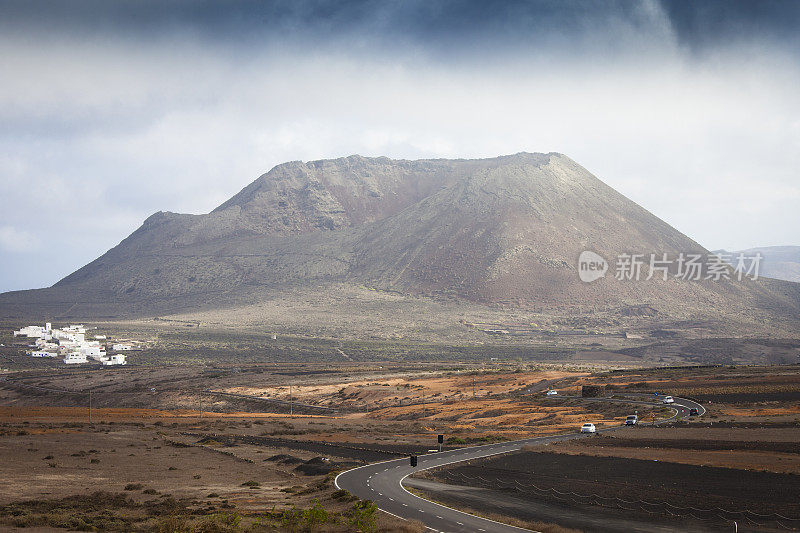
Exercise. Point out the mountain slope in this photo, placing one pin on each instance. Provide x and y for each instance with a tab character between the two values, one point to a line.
505	230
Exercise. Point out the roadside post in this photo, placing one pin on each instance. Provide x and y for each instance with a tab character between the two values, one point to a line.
441	441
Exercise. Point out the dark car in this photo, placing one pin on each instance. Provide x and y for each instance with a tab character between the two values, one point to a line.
693	412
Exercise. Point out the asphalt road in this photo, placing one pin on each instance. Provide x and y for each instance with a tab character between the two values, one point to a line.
383	482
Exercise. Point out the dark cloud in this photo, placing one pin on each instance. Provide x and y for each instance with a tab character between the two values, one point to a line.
111	110
440	28
719	23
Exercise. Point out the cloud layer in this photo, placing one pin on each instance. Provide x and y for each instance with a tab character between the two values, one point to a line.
111	111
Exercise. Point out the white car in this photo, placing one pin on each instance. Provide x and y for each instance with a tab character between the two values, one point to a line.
588	428
668	399
552	392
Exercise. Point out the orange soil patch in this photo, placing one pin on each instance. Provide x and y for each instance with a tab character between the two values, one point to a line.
410	388
81	414
746	460
767	411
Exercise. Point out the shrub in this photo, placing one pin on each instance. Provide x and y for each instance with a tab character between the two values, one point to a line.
290	518
344	495
172	524
315	516
219	523
362	515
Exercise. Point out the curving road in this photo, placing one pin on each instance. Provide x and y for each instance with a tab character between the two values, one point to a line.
383	482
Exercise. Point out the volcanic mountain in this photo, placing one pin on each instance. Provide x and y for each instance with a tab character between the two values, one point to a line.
505	231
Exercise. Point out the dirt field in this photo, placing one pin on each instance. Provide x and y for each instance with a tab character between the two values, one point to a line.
265	439
163	477
753	449
633	486
743	454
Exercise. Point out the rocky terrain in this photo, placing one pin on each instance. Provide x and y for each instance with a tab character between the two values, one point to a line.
504	231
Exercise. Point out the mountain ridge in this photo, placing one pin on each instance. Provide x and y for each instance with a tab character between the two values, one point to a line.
506	230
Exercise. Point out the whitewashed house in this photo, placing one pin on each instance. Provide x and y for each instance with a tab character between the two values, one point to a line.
31	331
42	353
74	358
116	359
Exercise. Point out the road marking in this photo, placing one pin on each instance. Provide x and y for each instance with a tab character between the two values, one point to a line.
493	449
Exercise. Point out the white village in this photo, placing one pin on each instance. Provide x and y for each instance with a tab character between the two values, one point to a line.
70	344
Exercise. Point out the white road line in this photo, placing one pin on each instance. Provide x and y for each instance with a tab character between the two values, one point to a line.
492	449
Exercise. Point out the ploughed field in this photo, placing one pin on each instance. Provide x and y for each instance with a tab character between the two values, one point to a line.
715	384
649	488
740	462
200	434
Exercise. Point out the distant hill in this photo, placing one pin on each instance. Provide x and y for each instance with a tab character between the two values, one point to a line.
503	231
779	262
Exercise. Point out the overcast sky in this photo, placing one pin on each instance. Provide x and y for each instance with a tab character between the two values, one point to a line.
110	111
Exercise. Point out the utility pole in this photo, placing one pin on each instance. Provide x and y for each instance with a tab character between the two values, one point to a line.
473	387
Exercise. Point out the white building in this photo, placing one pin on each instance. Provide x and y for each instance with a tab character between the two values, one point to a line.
90	351
31	331
42	353
71	344
74	358
43	344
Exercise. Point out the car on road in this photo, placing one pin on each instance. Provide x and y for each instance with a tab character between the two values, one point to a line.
631	420
693	412
668	399
552	392
588	428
